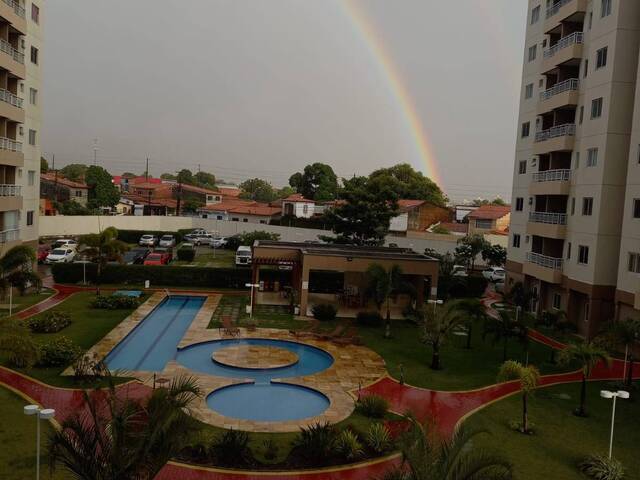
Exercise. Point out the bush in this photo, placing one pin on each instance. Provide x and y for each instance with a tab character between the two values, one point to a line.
59	352
372	406
232	448
378	438
115	302
51	322
348	445
17	344
157	275
270	449
316	443
369	319
601	467
186	254
324	312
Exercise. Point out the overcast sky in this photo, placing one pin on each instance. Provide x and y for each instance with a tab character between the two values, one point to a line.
263	87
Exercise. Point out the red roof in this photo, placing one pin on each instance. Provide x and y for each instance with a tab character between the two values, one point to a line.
155	202
406	205
490	212
51	177
194	189
298	198
229	191
245	207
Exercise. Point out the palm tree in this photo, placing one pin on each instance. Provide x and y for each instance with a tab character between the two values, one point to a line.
16	269
627	333
505	328
529	377
121	438
438	324
102	247
475	312
588	355
426	458
381	285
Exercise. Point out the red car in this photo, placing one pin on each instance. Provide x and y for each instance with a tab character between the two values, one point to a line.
158	258
43	251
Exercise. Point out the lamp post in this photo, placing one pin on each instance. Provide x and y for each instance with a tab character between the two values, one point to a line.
252	285
41	414
614	395
435	302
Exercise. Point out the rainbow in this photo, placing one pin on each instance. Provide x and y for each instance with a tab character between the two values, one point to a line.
397	87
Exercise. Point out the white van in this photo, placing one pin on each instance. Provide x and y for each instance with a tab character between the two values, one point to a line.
243	255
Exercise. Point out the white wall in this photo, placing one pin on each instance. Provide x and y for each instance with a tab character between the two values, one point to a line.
399	223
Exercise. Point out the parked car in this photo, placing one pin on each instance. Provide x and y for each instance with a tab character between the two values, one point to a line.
218	242
61	255
64	243
148	241
164	251
197	231
135	256
43	251
199	238
494	274
459	271
168	241
157	258
243	255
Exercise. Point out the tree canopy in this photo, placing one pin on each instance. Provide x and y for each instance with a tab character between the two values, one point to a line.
205	180
478	202
102	191
317	182
258	190
74	171
409	184
44	165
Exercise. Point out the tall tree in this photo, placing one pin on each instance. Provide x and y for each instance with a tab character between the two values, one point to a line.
168	176
475	312
494	255
16	269
529	377
475	244
205	180
185	176
409	184
284	192
381	286
102	191
588	355
74	171
438	324
317	182
44	165
258	190
103	247
363	218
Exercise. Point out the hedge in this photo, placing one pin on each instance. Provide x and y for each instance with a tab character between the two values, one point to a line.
157	275
133	236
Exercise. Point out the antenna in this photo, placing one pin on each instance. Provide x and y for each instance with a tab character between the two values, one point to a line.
95	151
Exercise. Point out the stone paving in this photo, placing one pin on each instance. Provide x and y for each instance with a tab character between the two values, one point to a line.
255	357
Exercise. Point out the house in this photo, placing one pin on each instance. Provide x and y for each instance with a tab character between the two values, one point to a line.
463	210
124	183
417	215
298	206
489	219
58	189
229	191
147	205
304	275
236	210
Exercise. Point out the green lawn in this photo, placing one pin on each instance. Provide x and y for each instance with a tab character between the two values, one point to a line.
561	439
22	302
265	316
206	257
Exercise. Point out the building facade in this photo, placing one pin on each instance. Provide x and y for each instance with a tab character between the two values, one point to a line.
576	171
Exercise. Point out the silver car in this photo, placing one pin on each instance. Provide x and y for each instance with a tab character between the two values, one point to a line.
199	238
148	241
167	241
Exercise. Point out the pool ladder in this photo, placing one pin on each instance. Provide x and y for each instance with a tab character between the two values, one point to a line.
166	290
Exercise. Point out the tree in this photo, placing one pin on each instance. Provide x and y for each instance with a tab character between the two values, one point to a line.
438	324
118	437
284	192
74	172
478	202
257	190
71	207
528	376
409	184
205	180
475	312
16	269
102	247
381	285
494	255
588	355
168	176
44	165
627	332
474	244
363	218
505	328
185	176
102	193
317	182
427	457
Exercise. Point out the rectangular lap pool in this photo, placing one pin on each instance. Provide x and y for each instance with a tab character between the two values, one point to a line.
153	342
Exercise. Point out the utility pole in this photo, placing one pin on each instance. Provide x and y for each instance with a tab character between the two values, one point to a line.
95	151
55	178
179	198
146	177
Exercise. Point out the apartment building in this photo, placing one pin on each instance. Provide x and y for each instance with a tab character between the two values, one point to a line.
20	121
573	228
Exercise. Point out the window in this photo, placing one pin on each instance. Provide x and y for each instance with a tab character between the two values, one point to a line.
522	167
592	157
484	224
528	91
33	96
516	240
30	217
586	67
264	222
590	19
601	58
526	239
581	114
636	208
245	220
31	177
219	217
535	15
587	206
573	205
519	204
78	193
577	160
557	301
568	250
596	107
34	55
526	126
235	219
35	13
634	262
583	254
540	83
32	137
305	209
605	8
532	52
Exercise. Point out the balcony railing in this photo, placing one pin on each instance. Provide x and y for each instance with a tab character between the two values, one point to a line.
7	96
548	217
9	235
11	145
552	176
555	8
7	48
544	261
571	84
574	38
16	7
558	131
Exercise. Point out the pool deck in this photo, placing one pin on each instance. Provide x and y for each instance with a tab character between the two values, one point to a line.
354	367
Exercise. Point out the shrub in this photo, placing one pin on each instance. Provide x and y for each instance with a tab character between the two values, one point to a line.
378	438
51	322
231	448
316	442
59	352
372	406
348	445
601	467
369	319
87	367
186	254
270	449
324	312
17	344
115	302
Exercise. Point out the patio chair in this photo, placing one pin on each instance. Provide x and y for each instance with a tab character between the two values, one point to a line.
228	328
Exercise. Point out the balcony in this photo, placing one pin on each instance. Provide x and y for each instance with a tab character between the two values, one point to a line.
564	11
14	13
550	182
567	50
563	94
543	267
11	59
11	152
10	197
555	139
11	106
547	224
10	235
